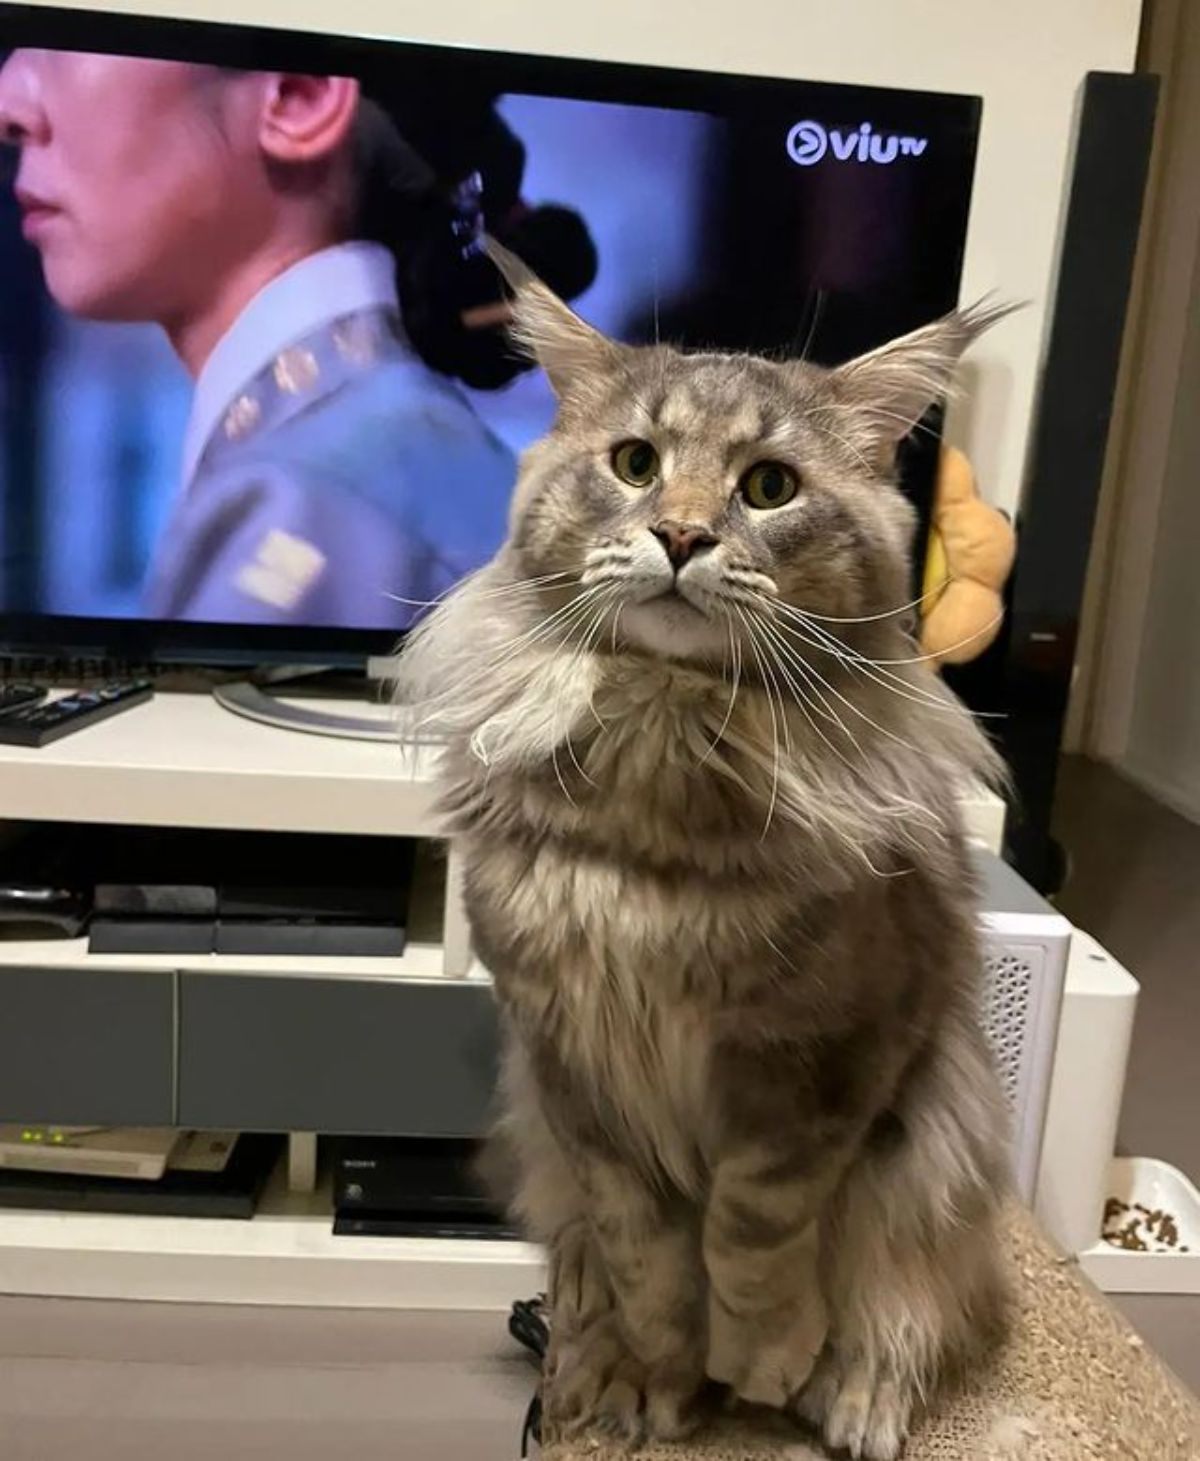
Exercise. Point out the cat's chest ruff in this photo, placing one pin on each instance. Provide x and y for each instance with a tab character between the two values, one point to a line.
634	844
615	972
657	752
606	912
642	1053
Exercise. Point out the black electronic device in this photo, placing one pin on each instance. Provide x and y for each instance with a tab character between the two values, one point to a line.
1028	671
107	935
187	890
360	919
190	891
38	909
40	723
412	1187
280	502
230	1191
308	937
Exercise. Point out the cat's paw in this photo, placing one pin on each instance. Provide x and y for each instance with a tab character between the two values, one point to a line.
599	1387
766	1358
866	1417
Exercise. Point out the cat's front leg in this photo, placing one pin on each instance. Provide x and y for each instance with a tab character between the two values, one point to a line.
767	1318
789	1118
635	1372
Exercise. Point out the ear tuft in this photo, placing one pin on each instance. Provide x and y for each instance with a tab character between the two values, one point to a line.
896	384
565	346
516	272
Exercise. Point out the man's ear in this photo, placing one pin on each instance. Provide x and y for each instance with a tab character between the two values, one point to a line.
567	348
307	118
892	387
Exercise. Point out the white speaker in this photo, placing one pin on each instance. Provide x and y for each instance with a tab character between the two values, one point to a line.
1025	949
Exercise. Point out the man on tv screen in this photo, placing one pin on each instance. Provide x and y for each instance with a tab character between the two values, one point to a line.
319	279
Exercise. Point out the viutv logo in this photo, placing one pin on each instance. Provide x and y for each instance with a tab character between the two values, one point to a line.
809	142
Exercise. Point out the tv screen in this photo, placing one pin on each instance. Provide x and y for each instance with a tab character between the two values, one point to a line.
256	398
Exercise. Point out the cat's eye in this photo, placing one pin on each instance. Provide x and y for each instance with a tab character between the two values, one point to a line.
769	484
635	462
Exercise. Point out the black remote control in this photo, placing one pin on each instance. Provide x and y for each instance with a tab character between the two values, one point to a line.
12	696
38	725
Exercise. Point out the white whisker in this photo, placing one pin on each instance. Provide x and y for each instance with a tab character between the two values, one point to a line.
520	586
862	715
615	622
873	618
918	659
795	622
774	722
872	670
900	806
735	656
804	702
590	639
818	305
558	772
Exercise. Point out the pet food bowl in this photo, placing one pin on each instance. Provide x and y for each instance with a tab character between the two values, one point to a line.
1152	1227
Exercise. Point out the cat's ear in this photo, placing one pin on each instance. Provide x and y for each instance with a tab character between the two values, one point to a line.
566	347
892	387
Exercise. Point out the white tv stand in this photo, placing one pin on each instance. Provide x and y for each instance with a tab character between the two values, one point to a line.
167	1039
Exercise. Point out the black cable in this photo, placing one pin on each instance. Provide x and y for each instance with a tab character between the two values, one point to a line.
532	1425
529	1326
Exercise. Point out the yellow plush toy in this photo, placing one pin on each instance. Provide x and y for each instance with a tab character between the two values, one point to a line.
967	562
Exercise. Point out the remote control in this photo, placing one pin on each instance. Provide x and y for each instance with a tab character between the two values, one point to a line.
12	696
38	725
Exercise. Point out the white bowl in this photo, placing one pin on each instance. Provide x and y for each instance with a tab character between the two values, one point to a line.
1156	1185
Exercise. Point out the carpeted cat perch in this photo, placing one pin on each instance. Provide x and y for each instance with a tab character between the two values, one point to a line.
1073	1383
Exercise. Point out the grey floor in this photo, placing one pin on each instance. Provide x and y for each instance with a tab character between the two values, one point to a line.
98	1381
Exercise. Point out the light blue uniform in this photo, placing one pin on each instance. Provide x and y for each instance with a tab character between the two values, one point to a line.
327	471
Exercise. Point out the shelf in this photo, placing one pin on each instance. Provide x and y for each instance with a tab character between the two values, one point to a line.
183	761
438	942
419	961
424	955
286	1254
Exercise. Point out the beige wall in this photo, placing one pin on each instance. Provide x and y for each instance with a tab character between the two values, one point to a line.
1025	57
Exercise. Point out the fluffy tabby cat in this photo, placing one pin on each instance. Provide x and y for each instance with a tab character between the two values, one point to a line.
706	790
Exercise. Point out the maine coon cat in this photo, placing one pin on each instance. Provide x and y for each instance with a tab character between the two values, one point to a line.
706	791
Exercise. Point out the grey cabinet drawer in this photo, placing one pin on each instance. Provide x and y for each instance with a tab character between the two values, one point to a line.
84	1047
339	1055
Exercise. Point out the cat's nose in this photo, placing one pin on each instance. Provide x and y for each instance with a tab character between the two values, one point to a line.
681	540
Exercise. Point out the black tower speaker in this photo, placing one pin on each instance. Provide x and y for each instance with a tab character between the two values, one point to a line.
1028	671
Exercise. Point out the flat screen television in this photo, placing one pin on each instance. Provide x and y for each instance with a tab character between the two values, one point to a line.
256	401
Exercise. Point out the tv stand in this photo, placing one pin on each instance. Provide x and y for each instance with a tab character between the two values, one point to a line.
255	1042
283	696
256	702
